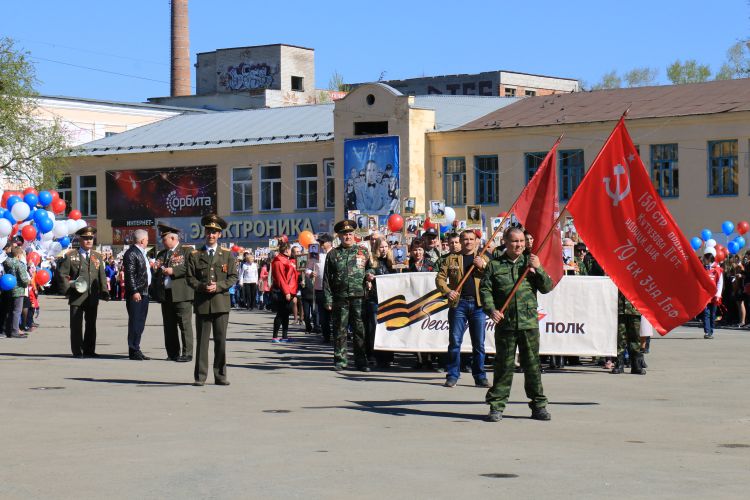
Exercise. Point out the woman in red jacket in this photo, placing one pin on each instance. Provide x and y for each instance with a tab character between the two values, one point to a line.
284	274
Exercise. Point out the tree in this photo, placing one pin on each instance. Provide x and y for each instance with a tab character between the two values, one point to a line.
689	72
32	151
738	62
336	82
640	77
609	81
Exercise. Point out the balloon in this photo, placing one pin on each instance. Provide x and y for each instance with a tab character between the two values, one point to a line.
64	242
31	199
7	216
740	241
4	199
445	228
75	214
55	248
7	282
235	248
3	241
80	224
710	243
727	227
478	233
733	247
450	215
55	195
12	201
48	236
28	233
51	215
33	258
395	223
45	225
45	198
60	229
20	210
742	227
706	234
72	226
721	255
58	206
5	227
305	238
30	190
42	277
39	215
428	224
696	242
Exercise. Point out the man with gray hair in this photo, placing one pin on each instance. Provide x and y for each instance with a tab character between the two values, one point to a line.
137	280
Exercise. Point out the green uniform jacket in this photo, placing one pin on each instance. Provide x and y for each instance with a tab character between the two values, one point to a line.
583	268
344	273
451	272
178	261
499	278
15	267
624	306
72	267
202	270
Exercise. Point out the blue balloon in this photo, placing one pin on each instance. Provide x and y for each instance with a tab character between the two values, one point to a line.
444	229
40	215
728	227
706	234
31	199
45	225
45	198
733	247
696	242
740	241
12	201
31	215
7	215
64	242
7	282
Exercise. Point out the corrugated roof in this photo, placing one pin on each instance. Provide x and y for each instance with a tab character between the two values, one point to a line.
141	105
452	111
221	130
607	105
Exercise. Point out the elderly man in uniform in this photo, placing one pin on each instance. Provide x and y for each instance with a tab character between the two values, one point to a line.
81	278
518	326
346	270
211	272
174	294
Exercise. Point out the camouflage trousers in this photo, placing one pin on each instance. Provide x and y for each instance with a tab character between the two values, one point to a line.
346	313
528	353
628	334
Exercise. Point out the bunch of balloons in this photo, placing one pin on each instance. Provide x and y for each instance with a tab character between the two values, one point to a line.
734	245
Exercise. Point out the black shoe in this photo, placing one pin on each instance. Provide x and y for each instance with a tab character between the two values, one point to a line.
135	357
173	358
143	356
451	382
540	414
90	355
482	383
78	356
222	382
199	383
181	359
188	358
494	416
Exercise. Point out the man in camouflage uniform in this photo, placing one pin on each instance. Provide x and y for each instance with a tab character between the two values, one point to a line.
346	271
518	326
628	335
581	265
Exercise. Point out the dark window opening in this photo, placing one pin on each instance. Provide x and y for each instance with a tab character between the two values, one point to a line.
370	128
298	83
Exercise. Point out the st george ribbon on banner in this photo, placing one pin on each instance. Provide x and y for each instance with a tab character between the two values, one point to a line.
635	239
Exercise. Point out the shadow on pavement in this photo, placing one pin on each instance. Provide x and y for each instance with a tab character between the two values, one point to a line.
140	383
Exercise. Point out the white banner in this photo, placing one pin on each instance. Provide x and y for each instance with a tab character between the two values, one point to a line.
579	317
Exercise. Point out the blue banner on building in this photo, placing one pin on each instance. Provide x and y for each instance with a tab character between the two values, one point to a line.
371	175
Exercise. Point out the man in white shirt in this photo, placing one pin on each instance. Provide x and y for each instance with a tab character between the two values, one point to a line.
316	267
249	280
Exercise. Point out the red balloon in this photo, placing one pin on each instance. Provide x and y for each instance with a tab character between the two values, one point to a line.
55	195
75	214
742	227
28	233
428	224
395	223
720	247
58	205
33	258
30	190
236	249
721	254
478	232
42	277
4	199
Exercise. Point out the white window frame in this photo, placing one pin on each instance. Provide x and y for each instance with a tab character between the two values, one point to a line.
86	211
244	187
271	182
308	182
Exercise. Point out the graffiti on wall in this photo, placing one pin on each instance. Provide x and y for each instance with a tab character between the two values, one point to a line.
247	76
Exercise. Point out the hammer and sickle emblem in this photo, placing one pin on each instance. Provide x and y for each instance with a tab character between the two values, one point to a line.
617	196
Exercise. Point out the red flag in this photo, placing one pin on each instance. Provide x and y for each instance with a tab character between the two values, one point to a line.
635	239
537	208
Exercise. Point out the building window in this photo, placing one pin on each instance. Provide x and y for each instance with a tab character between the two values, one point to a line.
454	181
307	186
370	128
298	83
509	92
664	171
571	172
270	188
487	180
328	167
87	195
533	161
530	93
109	134
242	189
722	168
65	190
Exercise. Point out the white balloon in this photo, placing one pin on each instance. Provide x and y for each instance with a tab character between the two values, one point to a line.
450	215
5	227
51	215
709	244
47	236
80	224
3	241
72	226
60	229
55	248
20	210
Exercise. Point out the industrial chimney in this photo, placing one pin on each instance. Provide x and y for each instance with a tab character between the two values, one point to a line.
180	81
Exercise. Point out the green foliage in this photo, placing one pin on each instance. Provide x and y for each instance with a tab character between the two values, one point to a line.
689	72
609	81
738	62
32	150
640	77
336	82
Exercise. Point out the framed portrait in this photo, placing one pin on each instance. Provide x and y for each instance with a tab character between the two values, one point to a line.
410	206
394	239
462	225
437	211
301	262
352	214
273	244
363	223
474	215
313	250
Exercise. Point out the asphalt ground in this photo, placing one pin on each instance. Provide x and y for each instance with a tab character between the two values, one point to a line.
290	427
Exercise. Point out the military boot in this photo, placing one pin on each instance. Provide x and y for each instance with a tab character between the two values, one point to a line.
619	365
636	366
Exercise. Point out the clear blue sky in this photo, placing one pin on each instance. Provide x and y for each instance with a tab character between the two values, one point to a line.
581	39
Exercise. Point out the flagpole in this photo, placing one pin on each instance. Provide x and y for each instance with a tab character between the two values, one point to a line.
500	226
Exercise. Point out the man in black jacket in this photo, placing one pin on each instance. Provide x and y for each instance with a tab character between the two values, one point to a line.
137	281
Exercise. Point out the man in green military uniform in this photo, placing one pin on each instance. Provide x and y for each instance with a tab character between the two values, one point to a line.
176	297
211	272
517	326
581	265
344	277
628	335
82	279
